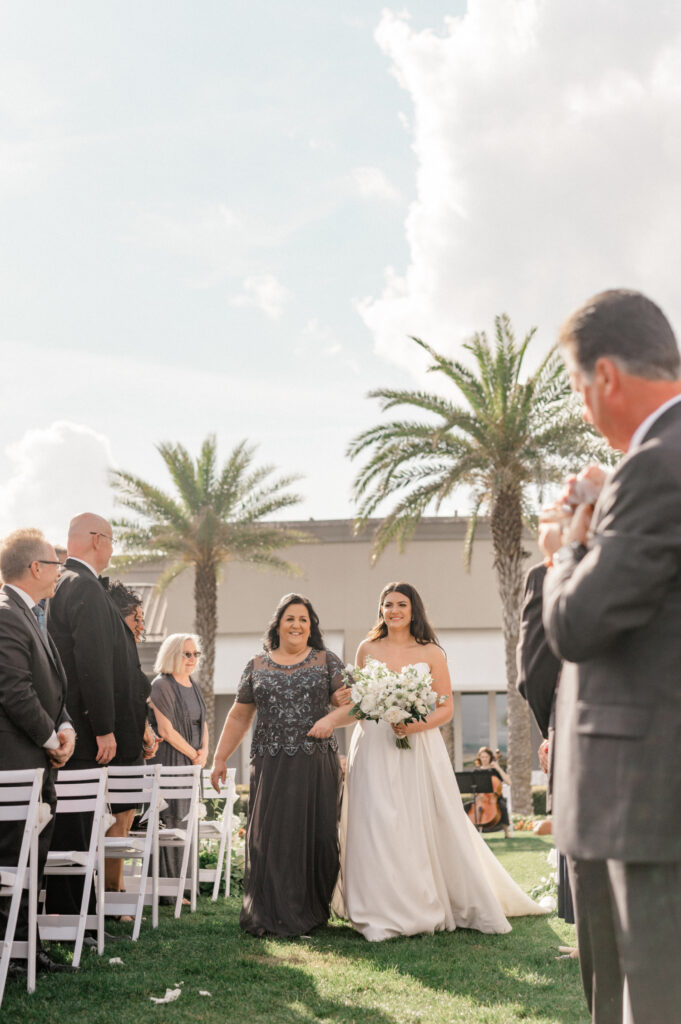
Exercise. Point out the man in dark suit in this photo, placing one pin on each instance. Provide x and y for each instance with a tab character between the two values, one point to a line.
89	634
538	667
35	728
612	612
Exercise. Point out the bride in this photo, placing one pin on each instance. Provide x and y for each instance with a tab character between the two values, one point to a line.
411	861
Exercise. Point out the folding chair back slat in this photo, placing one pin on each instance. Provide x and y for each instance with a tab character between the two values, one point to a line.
18	813
182	783
219	831
136	785
23	874
82	791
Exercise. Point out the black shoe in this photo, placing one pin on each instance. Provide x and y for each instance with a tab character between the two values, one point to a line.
90	940
45	964
17	969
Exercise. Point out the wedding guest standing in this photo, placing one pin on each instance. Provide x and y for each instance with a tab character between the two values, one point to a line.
35	727
180	712
89	635
129	605
612	607
291	842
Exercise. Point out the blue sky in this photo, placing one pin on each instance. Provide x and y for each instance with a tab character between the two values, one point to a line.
228	217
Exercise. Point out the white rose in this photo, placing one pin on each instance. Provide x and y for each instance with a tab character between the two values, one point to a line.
394	715
368	704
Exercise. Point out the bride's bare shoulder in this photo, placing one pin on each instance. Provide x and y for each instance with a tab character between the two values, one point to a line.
434	654
369	649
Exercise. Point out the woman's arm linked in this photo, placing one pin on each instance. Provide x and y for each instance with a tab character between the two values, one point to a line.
237	724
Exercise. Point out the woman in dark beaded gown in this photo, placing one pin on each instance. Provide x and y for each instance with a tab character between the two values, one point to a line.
292	835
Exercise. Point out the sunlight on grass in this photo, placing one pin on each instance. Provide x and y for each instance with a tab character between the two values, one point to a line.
334	977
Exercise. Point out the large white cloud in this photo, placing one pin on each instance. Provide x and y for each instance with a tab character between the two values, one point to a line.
55	473
546	134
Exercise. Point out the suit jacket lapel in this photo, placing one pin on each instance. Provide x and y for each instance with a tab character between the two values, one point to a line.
45	641
25	610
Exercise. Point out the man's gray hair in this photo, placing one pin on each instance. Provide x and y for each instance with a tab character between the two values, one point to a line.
626	327
18	551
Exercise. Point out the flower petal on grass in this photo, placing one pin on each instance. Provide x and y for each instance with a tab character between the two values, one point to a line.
171	995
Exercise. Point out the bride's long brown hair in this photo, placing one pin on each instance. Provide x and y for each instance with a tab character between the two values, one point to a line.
420	628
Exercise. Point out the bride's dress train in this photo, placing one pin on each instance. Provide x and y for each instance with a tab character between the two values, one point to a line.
411	861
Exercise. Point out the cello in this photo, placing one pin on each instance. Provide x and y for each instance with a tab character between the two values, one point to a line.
485	810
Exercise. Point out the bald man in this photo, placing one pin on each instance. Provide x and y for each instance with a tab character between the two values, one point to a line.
90	636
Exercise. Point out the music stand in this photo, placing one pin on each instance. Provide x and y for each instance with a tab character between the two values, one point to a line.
477	781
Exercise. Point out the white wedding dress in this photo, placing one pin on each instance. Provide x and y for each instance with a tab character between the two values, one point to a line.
411	861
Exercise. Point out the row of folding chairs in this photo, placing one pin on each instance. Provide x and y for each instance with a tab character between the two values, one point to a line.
149	787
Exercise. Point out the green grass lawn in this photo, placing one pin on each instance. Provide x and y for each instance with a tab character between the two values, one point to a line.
335	976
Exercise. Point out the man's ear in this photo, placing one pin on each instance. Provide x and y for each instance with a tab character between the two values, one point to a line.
607	376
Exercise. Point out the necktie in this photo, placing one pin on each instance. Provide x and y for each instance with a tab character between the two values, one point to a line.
104	580
39	613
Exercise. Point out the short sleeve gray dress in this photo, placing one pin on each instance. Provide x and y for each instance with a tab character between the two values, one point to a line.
292	835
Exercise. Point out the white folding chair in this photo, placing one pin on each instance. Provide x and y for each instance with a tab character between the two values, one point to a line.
181	783
137	785
20	801
79	792
218	830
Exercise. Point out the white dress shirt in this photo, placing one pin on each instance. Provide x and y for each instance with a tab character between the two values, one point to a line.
642	429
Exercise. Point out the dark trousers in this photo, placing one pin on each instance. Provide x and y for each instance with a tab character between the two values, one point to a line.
11	836
628	919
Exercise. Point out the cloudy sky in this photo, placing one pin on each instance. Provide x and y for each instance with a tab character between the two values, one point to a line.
229	217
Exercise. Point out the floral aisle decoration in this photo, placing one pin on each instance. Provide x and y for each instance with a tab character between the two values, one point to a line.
208	854
546	891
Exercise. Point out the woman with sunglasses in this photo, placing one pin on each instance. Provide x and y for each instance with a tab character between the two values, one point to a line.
180	712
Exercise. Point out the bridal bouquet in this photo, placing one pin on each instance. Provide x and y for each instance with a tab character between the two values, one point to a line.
381	695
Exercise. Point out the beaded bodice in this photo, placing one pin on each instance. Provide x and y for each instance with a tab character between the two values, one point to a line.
289	699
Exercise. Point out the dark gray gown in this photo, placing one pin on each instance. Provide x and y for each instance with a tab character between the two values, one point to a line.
292	855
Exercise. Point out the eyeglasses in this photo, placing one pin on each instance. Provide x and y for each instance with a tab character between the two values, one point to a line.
96	533
44	561
191	654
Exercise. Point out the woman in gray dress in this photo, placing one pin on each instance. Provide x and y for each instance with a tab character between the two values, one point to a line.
292	834
180	712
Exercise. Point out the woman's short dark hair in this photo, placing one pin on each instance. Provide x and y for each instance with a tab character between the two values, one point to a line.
271	638
125	599
420	627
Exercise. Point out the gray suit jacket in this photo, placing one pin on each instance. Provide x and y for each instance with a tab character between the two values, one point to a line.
615	618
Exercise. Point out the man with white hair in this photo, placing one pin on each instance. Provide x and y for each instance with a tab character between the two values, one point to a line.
89	634
35	727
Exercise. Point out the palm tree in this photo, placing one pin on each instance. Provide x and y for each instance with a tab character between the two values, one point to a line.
510	439
214	517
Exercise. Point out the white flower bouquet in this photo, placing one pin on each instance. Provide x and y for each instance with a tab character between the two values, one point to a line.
381	695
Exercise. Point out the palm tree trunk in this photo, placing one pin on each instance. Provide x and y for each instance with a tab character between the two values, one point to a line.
507	532
447	731
205	624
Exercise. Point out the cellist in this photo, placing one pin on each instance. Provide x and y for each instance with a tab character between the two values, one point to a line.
492	811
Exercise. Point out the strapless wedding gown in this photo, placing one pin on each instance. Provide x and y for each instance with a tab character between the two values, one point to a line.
411	861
